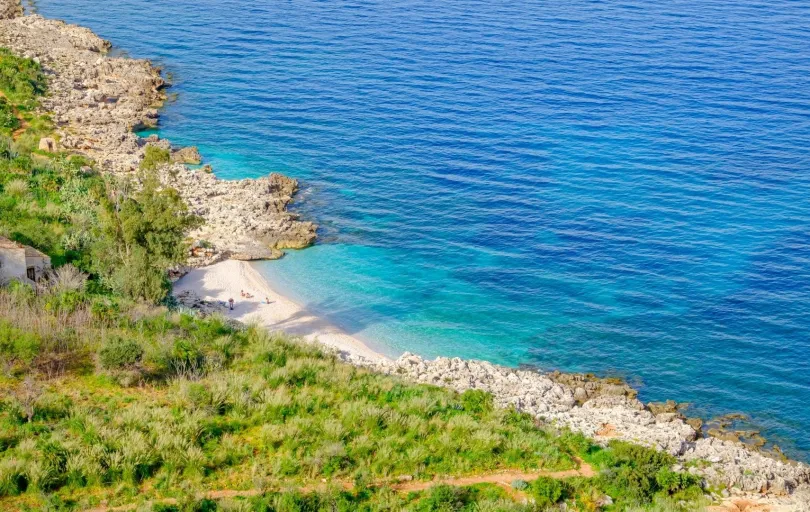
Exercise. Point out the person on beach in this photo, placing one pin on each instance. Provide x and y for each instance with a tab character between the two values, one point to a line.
267	300
230	303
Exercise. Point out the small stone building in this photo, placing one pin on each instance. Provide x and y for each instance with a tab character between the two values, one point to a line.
18	261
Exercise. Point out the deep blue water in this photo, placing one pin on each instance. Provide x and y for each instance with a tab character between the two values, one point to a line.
618	187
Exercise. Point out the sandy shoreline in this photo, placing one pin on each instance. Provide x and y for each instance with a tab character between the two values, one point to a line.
227	279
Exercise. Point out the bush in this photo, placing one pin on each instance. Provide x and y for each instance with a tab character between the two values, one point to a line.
119	354
17	347
444	498
16	188
477	401
636	475
154	157
8	119
21	79
546	491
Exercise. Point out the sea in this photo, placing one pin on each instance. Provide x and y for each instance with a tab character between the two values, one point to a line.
620	187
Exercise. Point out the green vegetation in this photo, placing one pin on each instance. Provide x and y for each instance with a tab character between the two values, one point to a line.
107	396
8	118
21	84
124	237
154	157
141	398
21	80
141	235
225	407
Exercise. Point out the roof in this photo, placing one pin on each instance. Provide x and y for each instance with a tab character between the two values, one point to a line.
5	243
30	252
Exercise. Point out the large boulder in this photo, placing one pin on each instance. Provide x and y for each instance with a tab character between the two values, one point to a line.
189	155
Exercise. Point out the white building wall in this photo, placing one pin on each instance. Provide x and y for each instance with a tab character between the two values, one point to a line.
12	264
39	263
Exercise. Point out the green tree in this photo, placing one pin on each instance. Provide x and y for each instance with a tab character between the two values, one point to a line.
143	235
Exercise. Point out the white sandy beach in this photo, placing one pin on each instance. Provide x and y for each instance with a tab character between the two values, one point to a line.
228	279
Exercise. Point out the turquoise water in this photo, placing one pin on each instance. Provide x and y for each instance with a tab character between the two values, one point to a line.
614	187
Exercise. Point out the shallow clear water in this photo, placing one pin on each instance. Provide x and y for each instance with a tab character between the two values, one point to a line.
611	187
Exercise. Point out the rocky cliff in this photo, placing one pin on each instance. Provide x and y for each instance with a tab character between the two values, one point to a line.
97	102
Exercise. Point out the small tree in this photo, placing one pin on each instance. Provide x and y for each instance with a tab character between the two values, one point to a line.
143	235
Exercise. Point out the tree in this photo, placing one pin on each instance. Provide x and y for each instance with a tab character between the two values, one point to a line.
143	235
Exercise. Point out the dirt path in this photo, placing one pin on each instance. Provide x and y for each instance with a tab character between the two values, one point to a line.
503	479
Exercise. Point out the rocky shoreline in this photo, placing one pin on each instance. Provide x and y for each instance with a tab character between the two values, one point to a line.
610	412
98	102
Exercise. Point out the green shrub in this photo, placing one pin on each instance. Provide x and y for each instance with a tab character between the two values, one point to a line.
636	475
16	188
154	157
21	79
8	119
444	498
546	491
118	353
477	401
66	302
17	346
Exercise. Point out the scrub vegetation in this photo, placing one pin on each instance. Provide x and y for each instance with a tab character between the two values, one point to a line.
110	396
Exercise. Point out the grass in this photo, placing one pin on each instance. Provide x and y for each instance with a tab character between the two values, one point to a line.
46	203
224	407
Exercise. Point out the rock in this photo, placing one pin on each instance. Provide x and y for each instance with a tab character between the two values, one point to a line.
189	155
204	308
47	144
244	219
10	9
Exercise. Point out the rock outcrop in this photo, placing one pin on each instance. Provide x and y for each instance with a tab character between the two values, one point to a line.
97	102
609	413
245	219
189	155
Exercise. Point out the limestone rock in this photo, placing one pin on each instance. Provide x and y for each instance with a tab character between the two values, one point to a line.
47	144
10	9
189	155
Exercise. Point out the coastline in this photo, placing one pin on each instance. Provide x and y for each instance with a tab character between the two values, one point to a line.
601	410
602	415
227	279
